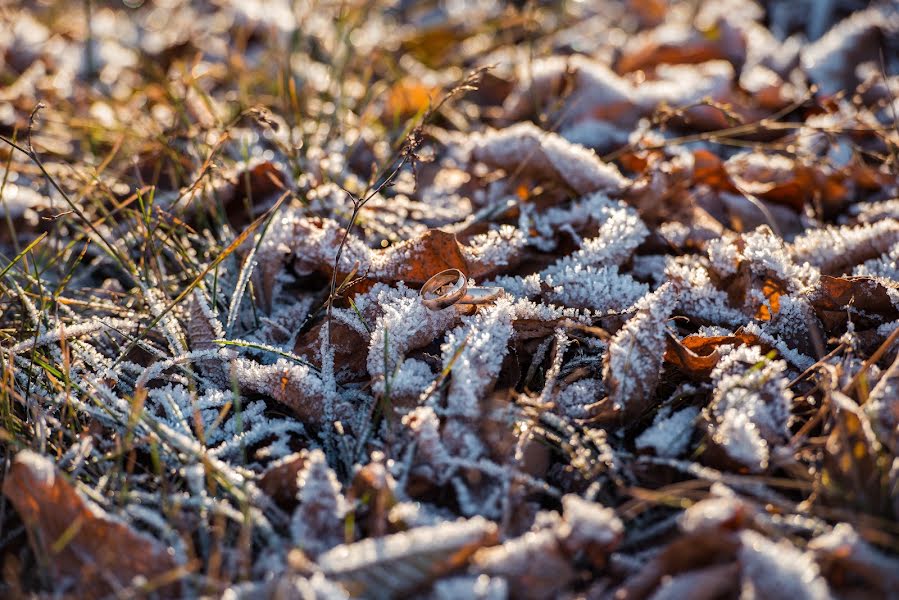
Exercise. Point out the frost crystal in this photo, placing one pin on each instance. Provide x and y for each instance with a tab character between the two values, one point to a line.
835	249
524	145
779	570
317	523
752	402
483	340
669	433
633	361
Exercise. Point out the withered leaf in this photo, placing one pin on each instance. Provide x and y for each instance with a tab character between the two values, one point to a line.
394	565
634	360
832	295
80	541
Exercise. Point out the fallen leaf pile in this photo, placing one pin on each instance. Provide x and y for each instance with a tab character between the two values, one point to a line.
218	376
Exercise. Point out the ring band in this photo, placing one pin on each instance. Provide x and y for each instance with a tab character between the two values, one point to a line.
436	296
450	287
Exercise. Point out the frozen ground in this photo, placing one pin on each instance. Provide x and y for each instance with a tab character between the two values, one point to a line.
218	376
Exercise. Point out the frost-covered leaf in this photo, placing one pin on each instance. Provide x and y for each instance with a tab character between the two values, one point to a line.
526	148
778	569
701	584
589	527
317	523
474	351
848	561
835	250
634	359
533	564
832	60
603	289
669	433
470	586
396	564
404	324
752	403
680	43
298	386
833	297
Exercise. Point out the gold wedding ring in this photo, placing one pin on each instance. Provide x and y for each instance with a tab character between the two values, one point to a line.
450	287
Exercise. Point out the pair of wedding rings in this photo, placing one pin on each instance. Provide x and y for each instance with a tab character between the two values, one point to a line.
450	287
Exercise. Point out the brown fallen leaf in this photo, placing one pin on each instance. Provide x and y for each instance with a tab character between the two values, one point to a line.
280	479
407	98
682	44
77	539
832	295
697	355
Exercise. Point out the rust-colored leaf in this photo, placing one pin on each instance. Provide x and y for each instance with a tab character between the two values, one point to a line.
773	290
79	541
417	260
407	98
697	355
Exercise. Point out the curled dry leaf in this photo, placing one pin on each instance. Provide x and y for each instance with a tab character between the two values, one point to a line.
697	355
99	553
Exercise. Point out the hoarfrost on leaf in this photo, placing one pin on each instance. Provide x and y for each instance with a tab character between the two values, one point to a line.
669	433
634	359
525	146
317	523
483	339
778	570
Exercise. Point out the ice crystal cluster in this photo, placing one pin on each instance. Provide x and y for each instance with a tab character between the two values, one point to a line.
683	381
